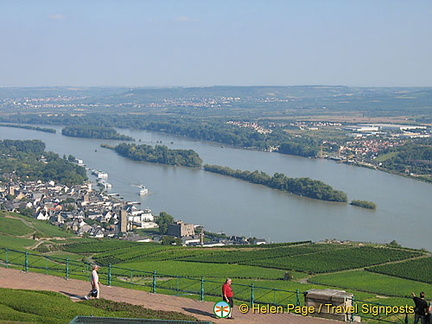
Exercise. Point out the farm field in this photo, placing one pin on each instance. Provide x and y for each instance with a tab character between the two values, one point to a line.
231	255
208	270
373	282
418	269
189	271
337	259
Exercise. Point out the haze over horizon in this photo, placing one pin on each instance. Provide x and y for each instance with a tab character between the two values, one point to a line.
191	43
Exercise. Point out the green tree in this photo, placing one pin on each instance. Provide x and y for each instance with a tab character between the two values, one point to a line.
170	240
26	212
163	221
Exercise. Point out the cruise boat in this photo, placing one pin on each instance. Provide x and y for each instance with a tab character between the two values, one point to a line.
143	191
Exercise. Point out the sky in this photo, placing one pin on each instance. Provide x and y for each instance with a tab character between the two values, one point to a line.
141	43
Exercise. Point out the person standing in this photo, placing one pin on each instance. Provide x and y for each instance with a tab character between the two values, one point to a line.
94	283
421	310
228	295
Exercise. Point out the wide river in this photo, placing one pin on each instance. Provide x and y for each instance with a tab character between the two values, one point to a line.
240	208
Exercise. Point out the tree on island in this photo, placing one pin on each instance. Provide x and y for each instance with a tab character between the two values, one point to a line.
300	186
364	204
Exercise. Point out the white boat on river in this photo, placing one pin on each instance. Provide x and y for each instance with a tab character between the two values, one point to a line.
143	191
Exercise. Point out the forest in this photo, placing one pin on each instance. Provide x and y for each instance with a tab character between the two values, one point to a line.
207	129
89	131
159	154
410	158
28	160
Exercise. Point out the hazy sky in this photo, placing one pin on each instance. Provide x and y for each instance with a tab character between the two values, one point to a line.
215	42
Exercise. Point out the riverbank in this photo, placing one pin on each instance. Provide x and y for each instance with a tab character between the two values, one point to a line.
238	208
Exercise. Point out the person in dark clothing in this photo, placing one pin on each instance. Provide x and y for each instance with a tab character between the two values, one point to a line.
421	310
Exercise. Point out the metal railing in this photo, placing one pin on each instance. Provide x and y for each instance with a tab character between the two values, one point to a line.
155	282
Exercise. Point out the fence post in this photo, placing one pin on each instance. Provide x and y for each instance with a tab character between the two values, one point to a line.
67	268
297	297
252	296
109	275
352	313
202	289
7	259
26	262
154	282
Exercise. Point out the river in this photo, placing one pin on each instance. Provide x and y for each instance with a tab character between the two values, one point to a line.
239	208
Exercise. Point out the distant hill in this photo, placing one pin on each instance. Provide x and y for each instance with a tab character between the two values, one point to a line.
304	100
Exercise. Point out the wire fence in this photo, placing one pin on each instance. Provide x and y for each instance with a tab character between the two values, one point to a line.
200	288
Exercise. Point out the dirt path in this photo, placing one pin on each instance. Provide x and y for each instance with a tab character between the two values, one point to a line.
76	289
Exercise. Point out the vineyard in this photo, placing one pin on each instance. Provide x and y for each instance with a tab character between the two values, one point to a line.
275	273
144	254
375	283
251	255
97	246
310	257
208	270
418	270
116	252
336	259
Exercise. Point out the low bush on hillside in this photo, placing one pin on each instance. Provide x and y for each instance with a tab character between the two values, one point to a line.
50	307
127	310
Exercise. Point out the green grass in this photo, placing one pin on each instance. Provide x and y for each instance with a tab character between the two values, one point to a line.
63	255
384	157
30	225
43	228
373	283
49	307
47	230
17	243
13	226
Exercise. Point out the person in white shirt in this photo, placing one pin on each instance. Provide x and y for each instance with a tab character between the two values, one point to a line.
95	283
